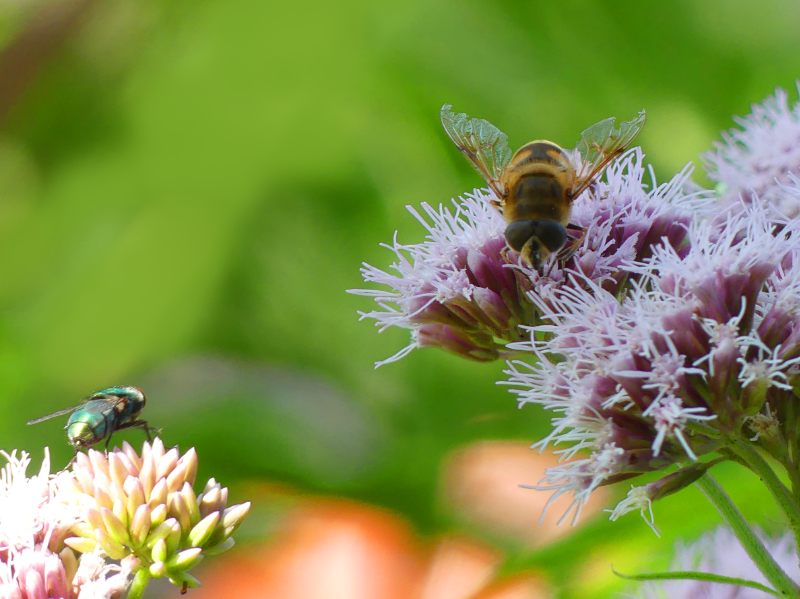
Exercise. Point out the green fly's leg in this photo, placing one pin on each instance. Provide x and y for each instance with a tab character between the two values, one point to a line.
143	424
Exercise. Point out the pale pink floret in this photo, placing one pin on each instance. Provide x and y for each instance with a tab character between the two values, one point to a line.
755	162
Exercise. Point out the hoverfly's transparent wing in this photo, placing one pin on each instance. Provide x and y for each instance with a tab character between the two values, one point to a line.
55	414
484	145
600	144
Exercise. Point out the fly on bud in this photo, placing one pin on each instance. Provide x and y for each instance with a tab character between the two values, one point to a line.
101	414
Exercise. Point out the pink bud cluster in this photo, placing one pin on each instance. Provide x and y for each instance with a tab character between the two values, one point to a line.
59	533
146	508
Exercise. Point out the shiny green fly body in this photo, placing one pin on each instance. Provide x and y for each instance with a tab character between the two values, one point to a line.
102	414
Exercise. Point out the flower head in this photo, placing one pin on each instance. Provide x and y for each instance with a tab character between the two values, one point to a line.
36	514
145	508
756	162
706	339
33	511
463	290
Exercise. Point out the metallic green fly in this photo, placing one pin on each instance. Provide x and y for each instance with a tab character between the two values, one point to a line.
102	414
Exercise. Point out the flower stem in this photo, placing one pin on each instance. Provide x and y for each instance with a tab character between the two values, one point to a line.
731	515
139	584
781	494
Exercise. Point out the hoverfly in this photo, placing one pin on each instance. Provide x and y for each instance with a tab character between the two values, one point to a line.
535	186
102	414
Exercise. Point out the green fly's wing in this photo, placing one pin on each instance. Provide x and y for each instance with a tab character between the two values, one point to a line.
55	414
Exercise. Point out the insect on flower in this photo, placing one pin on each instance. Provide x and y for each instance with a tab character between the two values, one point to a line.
101	414
535	186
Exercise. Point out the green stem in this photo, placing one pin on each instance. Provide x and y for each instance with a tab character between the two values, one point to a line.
139	583
782	495
731	515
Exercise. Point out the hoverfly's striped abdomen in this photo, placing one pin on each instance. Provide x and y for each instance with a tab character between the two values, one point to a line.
537	181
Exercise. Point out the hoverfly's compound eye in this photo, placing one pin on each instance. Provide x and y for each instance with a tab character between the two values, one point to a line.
552	234
519	232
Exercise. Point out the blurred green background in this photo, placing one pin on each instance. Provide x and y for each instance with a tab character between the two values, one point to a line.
188	188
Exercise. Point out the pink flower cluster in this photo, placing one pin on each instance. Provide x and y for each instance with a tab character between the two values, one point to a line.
462	290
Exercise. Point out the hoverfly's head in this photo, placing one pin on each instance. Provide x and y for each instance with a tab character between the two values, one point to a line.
551	234
536	240
535	254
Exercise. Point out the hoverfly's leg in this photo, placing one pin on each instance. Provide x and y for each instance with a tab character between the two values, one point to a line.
109	440
576	228
575	243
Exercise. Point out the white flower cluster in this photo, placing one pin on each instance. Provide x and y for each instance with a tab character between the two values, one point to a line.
36	514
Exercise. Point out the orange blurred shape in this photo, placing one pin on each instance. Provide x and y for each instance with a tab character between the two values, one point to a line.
461	569
482	482
458	569
332	550
343	550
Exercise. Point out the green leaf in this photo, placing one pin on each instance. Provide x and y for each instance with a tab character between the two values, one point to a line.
698	576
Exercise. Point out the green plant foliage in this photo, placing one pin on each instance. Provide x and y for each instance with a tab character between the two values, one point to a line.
188	188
